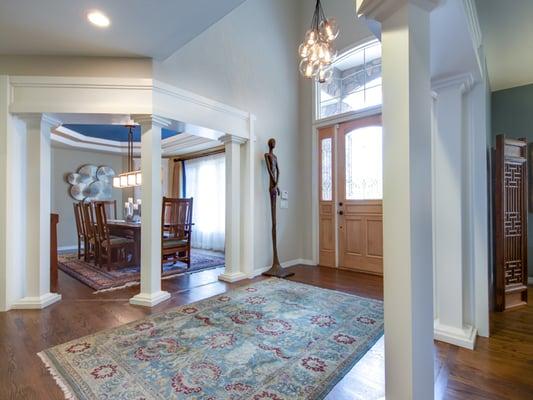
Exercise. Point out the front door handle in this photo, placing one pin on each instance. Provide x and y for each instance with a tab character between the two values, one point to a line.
341	212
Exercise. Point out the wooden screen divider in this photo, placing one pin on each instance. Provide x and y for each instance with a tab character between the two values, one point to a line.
510	222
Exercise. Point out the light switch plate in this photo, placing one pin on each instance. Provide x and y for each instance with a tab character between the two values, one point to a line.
285	194
284	204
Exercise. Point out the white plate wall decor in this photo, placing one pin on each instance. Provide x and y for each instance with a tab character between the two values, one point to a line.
91	183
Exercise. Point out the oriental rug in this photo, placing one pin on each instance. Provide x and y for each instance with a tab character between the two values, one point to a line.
100	279
272	340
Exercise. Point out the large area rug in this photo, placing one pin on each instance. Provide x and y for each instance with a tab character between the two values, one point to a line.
272	340
100	279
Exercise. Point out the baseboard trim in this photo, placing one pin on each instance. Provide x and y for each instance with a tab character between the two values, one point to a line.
465	337
149	299
36	303
232	277
286	264
68	248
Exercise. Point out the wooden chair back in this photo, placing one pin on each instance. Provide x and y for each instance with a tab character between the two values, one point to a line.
102	230
110	206
88	220
78	217
176	218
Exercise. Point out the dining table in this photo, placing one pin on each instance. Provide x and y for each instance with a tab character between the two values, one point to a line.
132	230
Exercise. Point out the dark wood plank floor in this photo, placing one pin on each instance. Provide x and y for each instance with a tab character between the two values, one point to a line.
500	368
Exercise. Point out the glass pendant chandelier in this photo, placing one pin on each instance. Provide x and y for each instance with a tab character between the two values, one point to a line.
317	50
130	178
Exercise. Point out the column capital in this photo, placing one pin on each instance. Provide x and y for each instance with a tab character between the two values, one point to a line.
36	120
232	139
151	120
380	10
462	82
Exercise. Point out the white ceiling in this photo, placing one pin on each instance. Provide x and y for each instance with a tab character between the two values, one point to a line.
139	28
507	28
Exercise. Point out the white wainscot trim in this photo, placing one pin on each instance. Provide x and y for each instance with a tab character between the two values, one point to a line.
32	303
465	337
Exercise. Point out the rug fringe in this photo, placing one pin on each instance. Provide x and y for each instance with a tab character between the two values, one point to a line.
57	378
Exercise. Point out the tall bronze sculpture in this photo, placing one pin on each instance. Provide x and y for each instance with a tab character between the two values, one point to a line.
273	171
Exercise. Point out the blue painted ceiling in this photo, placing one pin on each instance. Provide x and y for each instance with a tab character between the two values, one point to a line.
117	133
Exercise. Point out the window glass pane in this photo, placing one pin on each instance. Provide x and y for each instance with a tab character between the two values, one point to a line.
364	175
354	74
326	175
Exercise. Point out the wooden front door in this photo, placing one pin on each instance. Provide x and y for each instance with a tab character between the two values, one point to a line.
360	192
350	196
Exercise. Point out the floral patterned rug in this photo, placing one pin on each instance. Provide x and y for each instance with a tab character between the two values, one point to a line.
272	340
100	279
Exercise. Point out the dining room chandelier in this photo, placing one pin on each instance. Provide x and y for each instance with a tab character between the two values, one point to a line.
130	178
317	50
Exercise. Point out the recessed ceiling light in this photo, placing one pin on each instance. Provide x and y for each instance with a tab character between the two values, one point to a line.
98	18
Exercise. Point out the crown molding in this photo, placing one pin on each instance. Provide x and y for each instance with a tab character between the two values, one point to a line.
380	10
464	82
232	139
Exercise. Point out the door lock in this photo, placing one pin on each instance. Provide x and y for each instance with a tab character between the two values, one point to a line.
341	212
340	204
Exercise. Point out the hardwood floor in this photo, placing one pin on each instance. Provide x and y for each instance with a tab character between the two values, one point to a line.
500	368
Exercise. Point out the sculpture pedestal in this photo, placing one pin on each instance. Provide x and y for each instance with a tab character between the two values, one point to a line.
278	272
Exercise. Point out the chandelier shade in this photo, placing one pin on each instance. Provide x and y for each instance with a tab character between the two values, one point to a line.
130	178
317	51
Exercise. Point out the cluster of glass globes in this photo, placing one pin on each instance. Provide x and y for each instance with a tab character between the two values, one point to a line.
318	51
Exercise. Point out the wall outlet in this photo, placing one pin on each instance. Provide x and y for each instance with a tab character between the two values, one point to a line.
285	194
284	204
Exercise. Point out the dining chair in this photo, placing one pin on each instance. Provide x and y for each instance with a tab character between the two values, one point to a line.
110	206
80	229
176	229
91	239
124	248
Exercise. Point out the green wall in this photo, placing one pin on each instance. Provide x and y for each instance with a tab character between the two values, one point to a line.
512	115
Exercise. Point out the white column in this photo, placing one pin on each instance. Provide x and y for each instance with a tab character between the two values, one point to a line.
247	206
450	208
151	293
408	276
233	271
38	170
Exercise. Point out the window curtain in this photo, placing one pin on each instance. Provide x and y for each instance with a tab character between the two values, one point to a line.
205	183
176	191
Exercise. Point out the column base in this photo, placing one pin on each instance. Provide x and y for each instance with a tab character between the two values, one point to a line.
465	337
36	303
149	299
231	277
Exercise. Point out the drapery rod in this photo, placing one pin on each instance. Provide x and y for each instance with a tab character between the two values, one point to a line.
192	156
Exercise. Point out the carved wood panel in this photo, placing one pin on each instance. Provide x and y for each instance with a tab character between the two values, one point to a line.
510	225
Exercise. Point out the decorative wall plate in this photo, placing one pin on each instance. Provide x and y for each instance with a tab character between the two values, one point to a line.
91	183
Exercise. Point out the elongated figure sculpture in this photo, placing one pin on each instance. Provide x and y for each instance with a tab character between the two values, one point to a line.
273	171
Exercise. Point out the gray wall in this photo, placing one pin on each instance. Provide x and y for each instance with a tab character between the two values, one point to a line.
249	60
512	114
65	161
